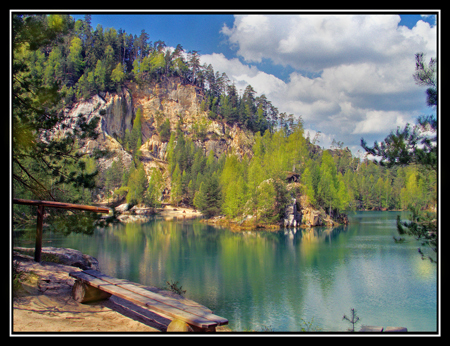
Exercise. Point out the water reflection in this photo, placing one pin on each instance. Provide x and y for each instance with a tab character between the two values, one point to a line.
275	279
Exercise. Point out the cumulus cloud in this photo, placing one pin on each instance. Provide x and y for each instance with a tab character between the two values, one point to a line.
243	75
317	42
380	122
363	68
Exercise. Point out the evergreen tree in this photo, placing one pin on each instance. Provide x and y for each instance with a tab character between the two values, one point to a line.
343	195
39	159
200	199
118	75
234	186
155	188
75	62
135	140
177	188
328	188
137	185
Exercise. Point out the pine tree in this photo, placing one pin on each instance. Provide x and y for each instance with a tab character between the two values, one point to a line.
200	198
328	188
137	185
75	62
118	75
177	191
308	186
135	140
155	188
343	195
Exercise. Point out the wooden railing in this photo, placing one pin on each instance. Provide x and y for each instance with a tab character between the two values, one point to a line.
40	216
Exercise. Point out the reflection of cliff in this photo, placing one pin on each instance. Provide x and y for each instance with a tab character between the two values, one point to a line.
313	240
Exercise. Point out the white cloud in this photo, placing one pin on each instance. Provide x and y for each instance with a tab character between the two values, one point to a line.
243	75
320	41
380	122
365	64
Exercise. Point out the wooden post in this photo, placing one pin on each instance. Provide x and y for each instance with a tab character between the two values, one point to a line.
40	217
38	247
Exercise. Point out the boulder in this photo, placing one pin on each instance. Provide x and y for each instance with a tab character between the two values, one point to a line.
64	256
123	208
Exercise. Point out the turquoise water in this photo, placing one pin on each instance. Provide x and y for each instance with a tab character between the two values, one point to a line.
266	280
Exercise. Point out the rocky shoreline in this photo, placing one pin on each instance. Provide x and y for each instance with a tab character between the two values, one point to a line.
127	213
295	216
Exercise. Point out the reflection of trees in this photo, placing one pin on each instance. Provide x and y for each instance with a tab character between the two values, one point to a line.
259	271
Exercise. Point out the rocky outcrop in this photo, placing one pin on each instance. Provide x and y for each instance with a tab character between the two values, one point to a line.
154	148
167	100
292	215
311	217
117	113
69	257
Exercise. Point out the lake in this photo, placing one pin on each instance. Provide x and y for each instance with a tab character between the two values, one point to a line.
276	280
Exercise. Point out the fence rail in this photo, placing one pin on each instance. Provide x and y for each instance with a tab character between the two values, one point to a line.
40	216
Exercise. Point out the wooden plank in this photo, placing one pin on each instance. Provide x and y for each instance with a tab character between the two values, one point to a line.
139	299
395	329
371	329
62	205
105	277
176	303
159	307
157	297
97	283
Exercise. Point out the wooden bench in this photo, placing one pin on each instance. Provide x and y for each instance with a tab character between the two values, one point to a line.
92	285
376	329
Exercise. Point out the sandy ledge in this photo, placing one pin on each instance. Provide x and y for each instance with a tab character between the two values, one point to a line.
45	304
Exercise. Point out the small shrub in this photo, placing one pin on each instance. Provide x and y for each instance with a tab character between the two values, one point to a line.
173	287
353	320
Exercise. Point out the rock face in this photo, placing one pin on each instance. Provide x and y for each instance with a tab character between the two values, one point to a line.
292	215
311	217
168	100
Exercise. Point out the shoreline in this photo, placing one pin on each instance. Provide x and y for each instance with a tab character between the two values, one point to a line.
167	212
43	303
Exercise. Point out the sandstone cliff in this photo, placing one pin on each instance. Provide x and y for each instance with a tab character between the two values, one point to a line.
180	104
171	100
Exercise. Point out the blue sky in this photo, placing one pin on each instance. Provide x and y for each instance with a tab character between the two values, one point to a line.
348	75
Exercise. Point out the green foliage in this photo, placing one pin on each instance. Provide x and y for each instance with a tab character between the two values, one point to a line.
155	188
136	133
173	287
137	184
57	61
164	131
327	188
45	164
85	61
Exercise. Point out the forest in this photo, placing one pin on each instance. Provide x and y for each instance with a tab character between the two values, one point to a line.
57	61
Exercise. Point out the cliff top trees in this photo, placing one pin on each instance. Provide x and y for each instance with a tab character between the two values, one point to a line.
85	61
